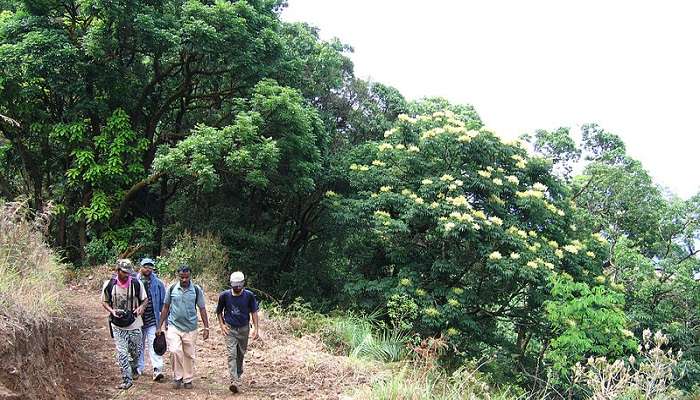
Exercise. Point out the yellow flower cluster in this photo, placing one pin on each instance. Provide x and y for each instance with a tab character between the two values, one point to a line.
378	163
484	174
452	331
426	182
496	220
382	214
331	193
599	238
385	189
513	179
453	303
459	201
497	181
359	167
432	312
413	149
495	256
530	193
539	187
389	132
447	178
554	209
406	118
461	217
385	146
514	256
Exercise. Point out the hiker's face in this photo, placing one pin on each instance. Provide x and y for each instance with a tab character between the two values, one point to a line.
122	275
146	271
184	278
237	287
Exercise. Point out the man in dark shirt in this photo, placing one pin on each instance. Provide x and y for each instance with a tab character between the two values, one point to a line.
235	308
155	289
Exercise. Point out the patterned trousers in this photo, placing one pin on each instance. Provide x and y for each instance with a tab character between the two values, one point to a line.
129	348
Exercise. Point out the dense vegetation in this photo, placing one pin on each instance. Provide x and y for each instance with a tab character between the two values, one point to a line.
215	132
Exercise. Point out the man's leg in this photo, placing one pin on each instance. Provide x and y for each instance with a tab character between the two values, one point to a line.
236	343
242	347
175	347
189	342
156	360
135	345
142	362
121	342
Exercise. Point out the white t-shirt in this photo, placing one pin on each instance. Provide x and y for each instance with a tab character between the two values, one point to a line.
121	301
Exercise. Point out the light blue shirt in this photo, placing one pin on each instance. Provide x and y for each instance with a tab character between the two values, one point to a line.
183	311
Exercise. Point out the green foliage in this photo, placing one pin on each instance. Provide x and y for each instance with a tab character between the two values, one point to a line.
204	254
587	321
470	229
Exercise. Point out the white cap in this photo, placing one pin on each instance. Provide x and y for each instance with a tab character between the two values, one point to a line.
237	277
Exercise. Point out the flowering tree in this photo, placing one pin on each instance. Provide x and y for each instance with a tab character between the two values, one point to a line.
472	230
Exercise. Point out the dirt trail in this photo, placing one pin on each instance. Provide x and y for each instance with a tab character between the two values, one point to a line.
278	366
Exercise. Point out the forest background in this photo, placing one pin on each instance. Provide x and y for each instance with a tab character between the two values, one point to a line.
214	133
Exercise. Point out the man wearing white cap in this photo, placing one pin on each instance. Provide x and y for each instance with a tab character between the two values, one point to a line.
235	308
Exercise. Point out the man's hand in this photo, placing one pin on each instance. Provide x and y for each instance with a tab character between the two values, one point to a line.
225	329
205	333
139	311
114	313
254	335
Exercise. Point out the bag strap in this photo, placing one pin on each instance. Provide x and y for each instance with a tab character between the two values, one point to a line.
196	294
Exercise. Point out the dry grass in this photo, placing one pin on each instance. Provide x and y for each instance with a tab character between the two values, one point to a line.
31	276
35	339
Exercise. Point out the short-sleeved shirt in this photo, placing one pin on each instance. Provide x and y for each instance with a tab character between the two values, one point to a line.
183	311
237	309
120	300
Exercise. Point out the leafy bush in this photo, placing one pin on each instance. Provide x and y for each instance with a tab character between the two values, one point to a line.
204	254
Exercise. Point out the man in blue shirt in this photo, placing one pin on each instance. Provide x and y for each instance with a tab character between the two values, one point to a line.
234	311
151	317
182	299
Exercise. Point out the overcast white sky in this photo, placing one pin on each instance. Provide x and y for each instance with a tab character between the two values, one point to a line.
631	66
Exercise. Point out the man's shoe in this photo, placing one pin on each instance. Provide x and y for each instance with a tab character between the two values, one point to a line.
187	385
135	374
233	388
157	375
124	385
177	384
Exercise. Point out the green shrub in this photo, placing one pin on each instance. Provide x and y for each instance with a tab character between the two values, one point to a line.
204	254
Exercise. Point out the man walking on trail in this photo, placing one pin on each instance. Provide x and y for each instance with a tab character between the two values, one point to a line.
234	311
151	317
180	310
124	298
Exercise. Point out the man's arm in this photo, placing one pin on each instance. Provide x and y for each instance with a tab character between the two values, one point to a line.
220	307
163	317
109	309
256	325
205	321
